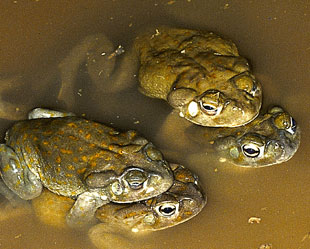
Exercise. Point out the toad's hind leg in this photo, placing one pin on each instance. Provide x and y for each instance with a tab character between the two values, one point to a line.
83	211
17	176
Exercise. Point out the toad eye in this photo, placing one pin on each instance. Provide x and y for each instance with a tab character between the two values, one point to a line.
209	109
293	127
251	150
135	184
285	122
167	209
135	178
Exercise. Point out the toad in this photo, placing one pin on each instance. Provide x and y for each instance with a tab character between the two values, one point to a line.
87	161
272	138
200	74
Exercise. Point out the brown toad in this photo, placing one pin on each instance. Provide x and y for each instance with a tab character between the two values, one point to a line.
199	74
272	138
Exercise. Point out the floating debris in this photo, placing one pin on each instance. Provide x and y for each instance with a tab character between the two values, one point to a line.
120	50
265	246
253	220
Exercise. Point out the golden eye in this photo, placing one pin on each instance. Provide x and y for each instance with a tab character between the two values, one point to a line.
293	126
167	209
211	102
251	150
135	179
209	109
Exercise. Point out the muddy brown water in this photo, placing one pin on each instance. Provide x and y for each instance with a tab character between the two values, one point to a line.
36	34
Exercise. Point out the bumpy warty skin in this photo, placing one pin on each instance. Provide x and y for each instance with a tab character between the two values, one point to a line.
199	74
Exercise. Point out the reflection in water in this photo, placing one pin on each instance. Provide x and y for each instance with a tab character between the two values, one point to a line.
268	33
12	107
97	54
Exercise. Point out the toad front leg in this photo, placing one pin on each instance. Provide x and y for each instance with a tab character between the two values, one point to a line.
84	208
17	176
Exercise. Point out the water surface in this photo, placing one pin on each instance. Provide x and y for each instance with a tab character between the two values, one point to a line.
35	35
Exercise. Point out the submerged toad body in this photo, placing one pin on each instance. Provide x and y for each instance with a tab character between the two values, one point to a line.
81	159
272	138
199	74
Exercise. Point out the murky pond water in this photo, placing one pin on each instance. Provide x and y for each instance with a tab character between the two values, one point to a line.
35	35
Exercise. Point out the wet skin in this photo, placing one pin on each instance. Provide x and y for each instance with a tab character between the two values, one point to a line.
180	203
183	201
199	74
83	160
272	138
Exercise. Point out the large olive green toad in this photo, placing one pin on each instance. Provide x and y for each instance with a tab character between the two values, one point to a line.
181	202
199	74
270	139
81	159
